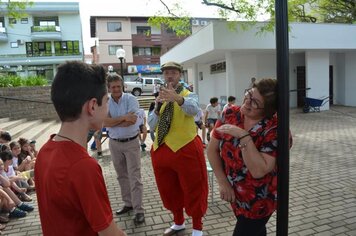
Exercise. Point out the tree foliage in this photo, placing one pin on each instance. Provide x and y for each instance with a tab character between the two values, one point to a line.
336	11
14	9
252	11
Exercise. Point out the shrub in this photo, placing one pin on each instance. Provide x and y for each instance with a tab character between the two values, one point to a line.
17	81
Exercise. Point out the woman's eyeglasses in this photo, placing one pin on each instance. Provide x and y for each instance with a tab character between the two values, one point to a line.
254	103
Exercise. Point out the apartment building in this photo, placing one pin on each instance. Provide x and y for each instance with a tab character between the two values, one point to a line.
50	34
142	43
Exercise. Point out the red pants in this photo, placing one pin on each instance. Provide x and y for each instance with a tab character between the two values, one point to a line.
182	181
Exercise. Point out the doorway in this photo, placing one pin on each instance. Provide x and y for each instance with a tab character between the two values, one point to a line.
301	93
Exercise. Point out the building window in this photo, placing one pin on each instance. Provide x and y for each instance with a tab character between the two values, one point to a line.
114	27
113	49
66	48
146	51
38	49
143	30
218	68
12	20
24	20
14	45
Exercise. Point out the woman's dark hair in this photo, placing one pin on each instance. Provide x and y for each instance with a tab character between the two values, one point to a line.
5	156
267	87
23	141
74	84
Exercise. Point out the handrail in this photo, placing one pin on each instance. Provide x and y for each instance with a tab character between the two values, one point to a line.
24	100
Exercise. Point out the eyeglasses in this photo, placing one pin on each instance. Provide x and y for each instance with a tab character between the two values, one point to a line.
254	103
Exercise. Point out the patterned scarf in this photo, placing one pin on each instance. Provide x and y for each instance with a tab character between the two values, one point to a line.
165	119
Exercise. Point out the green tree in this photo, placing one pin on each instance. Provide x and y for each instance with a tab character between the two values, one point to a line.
14	9
253	11
336	11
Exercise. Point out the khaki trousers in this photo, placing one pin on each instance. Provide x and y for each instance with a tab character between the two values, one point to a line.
126	158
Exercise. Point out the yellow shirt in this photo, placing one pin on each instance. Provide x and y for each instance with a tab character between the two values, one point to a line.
182	130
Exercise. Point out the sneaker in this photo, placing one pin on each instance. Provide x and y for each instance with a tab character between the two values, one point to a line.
25	207
17	213
100	154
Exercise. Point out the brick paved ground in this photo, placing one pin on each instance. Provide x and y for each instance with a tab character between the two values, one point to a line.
322	185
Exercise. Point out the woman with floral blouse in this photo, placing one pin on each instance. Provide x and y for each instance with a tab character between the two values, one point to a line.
243	155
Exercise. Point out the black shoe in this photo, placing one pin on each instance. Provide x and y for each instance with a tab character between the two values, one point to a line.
139	218
124	210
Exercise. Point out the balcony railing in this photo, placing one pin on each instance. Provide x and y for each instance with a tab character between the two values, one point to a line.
40	54
52	28
46	33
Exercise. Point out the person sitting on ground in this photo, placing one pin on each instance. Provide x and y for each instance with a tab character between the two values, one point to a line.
25	164
20	208
70	187
198	119
22	163
33	148
230	102
18	182
5	137
212	114
25	150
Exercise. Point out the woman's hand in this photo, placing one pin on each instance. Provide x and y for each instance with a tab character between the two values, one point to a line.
226	192
232	130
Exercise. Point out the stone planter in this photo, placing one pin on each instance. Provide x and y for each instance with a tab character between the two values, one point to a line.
29	103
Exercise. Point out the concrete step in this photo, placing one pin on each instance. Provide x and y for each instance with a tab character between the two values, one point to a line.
7	125
36	131
43	138
3	120
20	129
146	102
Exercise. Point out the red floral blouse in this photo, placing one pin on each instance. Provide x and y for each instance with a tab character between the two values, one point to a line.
255	198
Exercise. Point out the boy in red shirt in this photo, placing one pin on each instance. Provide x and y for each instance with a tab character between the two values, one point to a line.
71	192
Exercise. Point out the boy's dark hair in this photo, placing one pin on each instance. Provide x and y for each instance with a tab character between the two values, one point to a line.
214	100
5	136
6	155
231	99
74	84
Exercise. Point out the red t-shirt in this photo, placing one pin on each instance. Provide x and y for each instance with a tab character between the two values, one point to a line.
71	192
255	198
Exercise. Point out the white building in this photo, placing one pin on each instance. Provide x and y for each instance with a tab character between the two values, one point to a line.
50	34
221	62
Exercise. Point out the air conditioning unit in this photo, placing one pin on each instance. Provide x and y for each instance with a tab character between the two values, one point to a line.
20	42
195	22
203	22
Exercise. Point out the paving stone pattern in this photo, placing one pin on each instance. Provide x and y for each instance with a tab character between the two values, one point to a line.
322	185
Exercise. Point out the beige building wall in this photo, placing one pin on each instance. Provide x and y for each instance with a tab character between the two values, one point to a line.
122	38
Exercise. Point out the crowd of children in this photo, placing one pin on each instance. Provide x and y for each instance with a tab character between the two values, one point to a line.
17	160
